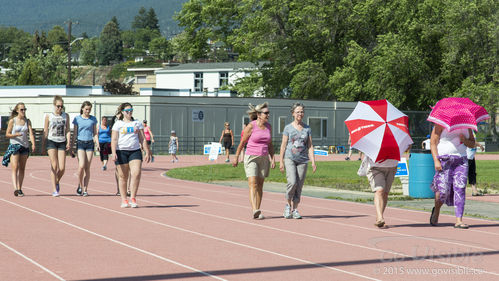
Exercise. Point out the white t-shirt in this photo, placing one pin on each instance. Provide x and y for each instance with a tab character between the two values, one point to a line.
427	144
128	134
450	144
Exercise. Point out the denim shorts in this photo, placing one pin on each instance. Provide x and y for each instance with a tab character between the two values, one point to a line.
85	145
56	145
125	156
23	150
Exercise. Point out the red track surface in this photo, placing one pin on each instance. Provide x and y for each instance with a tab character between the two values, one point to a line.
194	231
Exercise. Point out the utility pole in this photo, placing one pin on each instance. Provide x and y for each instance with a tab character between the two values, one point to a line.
68	82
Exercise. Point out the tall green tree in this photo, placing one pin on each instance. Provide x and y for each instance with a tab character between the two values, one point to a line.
110	46
140	20
152	21
58	36
88	53
160	47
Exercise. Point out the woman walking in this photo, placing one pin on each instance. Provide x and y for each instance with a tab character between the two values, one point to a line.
85	133
149	137
173	146
228	139
258	135
104	142
56	141
296	151
127	135
18	129
448	149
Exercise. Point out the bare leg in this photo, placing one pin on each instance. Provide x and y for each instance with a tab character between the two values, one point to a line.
14	162
438	205
380	204
259	192
61	158
82	163
135	173
22	167
123	171
54	167
252	184
88	162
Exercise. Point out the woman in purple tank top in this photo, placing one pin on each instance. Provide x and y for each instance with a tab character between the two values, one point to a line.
258	136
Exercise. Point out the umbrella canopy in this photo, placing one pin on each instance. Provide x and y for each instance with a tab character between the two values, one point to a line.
379	130
457	113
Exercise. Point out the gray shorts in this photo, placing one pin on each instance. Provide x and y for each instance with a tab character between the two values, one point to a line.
256	166
381	178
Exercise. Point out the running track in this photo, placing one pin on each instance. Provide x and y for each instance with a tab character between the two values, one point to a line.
194	231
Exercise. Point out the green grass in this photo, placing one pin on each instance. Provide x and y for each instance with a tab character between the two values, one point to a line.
335	174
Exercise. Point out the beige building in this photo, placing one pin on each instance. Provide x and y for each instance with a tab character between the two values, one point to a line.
143	78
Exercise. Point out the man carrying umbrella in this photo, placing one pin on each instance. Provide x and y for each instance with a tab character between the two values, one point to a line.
454	120
381	131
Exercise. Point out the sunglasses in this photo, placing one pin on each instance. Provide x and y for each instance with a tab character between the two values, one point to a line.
128	110
59	106
23	109
266	112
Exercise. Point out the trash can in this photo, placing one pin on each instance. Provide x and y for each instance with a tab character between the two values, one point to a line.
421	174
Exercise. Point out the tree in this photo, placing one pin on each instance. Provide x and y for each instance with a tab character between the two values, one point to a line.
40	42
151	21
117	88
160	47
110	46
140	20
143	36
57	36
15	44
88	53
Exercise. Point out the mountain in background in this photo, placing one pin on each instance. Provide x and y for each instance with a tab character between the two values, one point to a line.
91	15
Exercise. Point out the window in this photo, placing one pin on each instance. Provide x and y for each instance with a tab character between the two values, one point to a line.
246	120
4	122
224	78
198	82
282	123
318	126
141	79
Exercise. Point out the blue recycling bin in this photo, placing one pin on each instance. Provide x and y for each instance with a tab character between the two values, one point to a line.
421	172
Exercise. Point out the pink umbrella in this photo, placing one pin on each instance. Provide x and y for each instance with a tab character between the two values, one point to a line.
457	113
379	130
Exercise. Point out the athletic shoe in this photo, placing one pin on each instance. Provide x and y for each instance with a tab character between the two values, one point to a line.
152	159
133	203
296	215
16	193
104	168
256	214
125	204
57	187
118	193
227	160
20	193
78	190
55	194
347	158
287	212
173	161
85	194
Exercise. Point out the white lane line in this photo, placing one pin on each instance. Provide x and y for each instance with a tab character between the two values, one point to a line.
183	230
111	239
31	261
275	229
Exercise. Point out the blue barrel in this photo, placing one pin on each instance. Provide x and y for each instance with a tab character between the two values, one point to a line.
421	172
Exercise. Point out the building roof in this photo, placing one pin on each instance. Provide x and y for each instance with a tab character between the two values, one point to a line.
208	66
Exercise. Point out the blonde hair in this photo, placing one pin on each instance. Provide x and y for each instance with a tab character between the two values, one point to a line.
15	111
254	110
58	98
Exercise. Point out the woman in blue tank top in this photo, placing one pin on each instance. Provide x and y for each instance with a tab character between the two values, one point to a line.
104	142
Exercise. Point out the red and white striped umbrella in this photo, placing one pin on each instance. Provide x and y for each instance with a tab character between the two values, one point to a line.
457	113
379	130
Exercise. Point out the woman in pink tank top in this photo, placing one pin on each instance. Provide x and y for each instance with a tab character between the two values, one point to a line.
258	136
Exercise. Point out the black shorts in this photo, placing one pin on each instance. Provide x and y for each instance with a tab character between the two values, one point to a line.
149	142
56	145
85	145
125	156
22	151
227	144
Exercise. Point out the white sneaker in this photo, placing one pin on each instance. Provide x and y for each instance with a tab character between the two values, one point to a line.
287	212
125	204
296	215
133	203
55	194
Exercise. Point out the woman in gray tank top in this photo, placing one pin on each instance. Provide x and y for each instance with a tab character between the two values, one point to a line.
56	141
18	129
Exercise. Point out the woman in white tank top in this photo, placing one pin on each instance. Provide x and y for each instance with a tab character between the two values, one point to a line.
56	141
18	129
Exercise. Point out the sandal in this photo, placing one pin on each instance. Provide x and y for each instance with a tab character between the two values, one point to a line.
256	214
380	223
431	218
461	226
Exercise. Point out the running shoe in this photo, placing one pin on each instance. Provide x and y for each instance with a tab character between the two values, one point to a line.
347	158
16	192
78	190
152	159
20	193
104	167
256	214
287	212
57	187
118	193
125	204
133	203
296	215
85	194
55	194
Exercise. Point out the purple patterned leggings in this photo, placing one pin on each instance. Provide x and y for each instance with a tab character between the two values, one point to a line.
451	181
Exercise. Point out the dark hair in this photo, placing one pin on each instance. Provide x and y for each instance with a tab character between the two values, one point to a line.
121	107
15	111
57	98
85	103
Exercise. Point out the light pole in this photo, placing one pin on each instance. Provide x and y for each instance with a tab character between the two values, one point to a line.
69	59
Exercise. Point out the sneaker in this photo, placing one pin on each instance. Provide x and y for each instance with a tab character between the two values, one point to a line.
16	193
173	161
133	203
85	194
57	187
287	212
78	191
125	204
256	214
118	193
20	193
295	214
227	160
152	159
347	158
104	168
55	194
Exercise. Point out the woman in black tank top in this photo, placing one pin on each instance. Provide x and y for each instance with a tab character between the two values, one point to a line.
228	139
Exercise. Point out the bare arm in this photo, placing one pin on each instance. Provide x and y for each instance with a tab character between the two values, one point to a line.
271	152
145	145
434	140
232	136
246	135
96	137
221	137
68	134
45	133
311	154
8	133
114	144
470	141
31	136
284	142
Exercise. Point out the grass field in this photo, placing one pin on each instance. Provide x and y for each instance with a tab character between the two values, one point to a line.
335	174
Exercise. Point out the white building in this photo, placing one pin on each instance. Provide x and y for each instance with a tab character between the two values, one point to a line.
202	77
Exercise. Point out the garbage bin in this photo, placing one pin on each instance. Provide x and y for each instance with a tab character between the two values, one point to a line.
421	174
